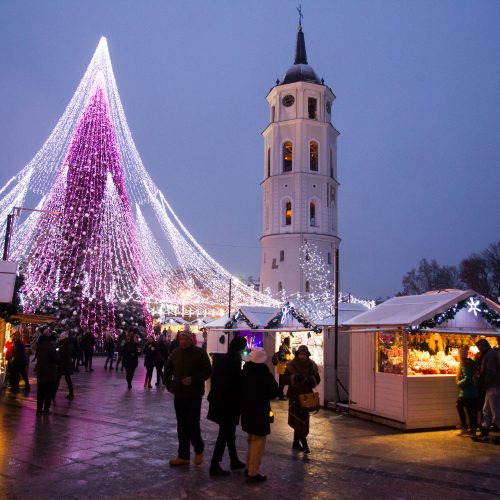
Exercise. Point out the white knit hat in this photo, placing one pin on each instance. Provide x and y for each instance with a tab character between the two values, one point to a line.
257	355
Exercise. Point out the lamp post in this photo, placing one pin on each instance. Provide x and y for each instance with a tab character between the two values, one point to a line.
230	291
16	212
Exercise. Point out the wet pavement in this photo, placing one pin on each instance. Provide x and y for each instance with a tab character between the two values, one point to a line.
113	443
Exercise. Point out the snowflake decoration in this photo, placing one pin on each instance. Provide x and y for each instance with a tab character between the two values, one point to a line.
473	306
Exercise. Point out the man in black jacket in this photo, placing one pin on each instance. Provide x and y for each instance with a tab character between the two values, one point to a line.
187	369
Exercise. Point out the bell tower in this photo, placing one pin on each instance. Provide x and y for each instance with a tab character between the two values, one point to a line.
300	188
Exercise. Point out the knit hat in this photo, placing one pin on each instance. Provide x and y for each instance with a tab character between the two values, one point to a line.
237	344
186	333
257	355
302	348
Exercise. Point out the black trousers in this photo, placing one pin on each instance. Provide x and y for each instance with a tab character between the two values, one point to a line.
149	373
44	395
130	370
109	359
226	437
469	406
67	377
281	383
159	373
188	411
88	359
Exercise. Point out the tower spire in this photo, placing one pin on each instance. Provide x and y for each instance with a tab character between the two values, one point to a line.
300	50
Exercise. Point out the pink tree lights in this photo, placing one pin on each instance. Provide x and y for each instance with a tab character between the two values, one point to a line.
88	256
91	259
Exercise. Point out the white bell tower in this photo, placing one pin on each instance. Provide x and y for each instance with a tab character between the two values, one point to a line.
300	188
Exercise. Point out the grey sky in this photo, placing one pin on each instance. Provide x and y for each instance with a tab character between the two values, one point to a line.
418	109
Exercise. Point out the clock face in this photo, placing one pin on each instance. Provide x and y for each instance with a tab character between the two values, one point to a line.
328	107
288	100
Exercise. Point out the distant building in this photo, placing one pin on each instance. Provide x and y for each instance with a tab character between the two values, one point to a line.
300	187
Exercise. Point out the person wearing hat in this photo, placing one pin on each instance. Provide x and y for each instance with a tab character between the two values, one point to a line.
187	369
224	409
303	376
258	387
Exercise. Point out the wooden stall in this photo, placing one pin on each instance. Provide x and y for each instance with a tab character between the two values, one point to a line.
404	356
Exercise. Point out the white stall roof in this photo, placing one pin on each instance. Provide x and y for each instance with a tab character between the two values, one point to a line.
413	309
347	311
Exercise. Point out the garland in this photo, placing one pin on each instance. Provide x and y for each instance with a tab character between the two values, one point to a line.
477	305
288	309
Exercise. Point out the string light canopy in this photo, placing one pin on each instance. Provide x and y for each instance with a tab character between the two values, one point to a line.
90	255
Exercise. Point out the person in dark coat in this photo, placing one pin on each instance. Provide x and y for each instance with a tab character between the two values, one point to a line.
224	408
109	348
120	342
302	376
130	356
65	366
160	358
88	344
46	372
18	364
258	387
187	369
149	360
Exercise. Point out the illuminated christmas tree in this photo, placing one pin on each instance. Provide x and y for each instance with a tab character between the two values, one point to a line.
85	259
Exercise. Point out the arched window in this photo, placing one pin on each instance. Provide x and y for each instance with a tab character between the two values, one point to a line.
269	162
313	156
312	213
331	163
288	213
287	156
307	286
280	286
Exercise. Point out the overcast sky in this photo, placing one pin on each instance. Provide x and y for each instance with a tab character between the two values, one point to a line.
418	109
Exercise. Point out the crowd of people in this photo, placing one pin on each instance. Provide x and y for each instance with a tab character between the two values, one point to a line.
239	392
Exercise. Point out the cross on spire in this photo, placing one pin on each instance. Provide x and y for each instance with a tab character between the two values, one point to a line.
299	10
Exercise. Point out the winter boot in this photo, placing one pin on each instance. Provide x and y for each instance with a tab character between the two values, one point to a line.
296	443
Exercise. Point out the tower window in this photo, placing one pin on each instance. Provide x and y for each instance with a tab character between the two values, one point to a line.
288	213
307	286
282	255
269	162
287	156
312	213
312	108
329	258
274	264
313	156
280	286
273	114
331	163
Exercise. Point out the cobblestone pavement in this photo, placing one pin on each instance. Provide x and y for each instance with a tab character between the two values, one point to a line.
113	443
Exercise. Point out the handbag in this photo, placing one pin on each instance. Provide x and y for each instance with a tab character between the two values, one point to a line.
309	401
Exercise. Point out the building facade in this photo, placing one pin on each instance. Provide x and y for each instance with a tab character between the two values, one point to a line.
300	188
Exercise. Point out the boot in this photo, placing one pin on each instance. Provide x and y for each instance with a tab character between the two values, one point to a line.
485	434
296	443
217	470
303	442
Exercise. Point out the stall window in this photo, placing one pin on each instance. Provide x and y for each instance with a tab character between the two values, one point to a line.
287	156
390	353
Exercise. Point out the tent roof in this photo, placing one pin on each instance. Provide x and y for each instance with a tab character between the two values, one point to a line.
413	309
346	312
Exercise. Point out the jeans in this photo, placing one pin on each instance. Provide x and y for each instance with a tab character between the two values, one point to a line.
109	359
188	411
469	405
491	408
226	437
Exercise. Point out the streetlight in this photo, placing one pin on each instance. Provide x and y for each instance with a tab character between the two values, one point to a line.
16	212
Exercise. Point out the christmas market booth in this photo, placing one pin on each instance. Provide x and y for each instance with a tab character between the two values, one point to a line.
404	356
267	327
25	325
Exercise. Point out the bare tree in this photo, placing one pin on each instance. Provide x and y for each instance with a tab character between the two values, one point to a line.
430	276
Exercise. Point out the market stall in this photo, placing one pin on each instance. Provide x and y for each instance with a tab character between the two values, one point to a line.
267	327
404	355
